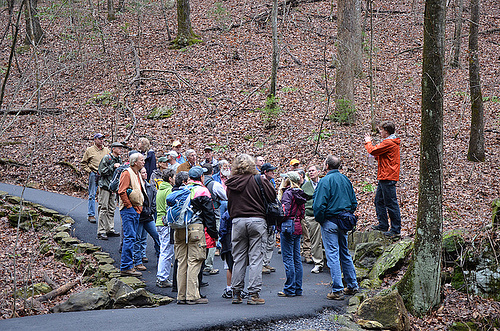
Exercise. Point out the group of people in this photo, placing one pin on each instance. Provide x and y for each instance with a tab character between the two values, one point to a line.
229	203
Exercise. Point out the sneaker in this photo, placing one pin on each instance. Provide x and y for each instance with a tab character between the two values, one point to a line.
350	291
131	272
317	269
392	235
228	294
163	283
91	219
181	302
265	270
378	228
236	298
335	295
272	269
140	267
102	236
197	301
113	233
254	299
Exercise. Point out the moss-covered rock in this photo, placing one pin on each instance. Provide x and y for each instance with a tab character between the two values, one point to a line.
35	289
58	237
388	310
391	259
107	269
133	282
366	254
91	299
87	248
47	211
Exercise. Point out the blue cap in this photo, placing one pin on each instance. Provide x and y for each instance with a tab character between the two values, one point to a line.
196	172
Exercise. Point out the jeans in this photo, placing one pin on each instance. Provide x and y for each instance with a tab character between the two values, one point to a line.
92	192
290	252
387	202
247	233
166	253
141	240
337	256
130	222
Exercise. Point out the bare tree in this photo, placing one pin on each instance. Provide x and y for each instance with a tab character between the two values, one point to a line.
111	11
476	141
421	285
34	32
275	56
185	35
349	54
457	38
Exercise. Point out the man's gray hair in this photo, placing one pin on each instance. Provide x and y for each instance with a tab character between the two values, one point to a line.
133	158
222	162
189	152
332	162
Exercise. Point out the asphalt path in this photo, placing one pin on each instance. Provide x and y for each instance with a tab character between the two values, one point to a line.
218	313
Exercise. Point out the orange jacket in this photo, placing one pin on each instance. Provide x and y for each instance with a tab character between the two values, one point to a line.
387	155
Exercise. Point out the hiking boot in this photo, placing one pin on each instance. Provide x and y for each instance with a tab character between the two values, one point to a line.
113	233
131	272
378	228
140	267
335	295
237	298
145	260
254	299
228	294
392	235
265	270
163	283
102	236
317	269
350	291
91	219
272	269
197	301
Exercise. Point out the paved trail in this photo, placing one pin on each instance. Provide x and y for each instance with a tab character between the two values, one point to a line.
218	312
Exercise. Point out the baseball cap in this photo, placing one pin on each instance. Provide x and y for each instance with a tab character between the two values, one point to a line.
163	159
294	162
293	176
117	144
176	143
173	154
267	167
196	172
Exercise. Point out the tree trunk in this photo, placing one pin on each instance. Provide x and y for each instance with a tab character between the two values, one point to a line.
185	35
421	285
476	140
111	11
348	50
34	32
121	5
275	56
457	39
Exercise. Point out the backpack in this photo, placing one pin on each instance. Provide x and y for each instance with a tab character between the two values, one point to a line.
179	213
274	209
209	184
115	180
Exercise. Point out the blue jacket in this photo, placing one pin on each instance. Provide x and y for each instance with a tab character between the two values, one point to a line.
333	195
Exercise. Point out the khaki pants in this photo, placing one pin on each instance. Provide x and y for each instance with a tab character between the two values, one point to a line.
306	240
315	239
190	256
107	206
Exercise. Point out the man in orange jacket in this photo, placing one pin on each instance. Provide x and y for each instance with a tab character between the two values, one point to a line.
387	155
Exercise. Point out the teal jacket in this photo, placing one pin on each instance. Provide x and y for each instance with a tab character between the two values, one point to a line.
333	195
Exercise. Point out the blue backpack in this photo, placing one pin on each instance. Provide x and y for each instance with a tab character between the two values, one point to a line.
179	213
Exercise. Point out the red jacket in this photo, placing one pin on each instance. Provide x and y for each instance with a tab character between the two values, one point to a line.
387	155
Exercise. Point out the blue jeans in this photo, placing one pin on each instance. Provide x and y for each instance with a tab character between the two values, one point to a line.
337	256
130	222
92	192
290	251
387	202
141	240
166	253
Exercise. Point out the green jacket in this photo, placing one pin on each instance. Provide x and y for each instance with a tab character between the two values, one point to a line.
106	170
161	201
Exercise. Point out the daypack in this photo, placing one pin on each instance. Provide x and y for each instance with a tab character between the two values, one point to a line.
179	213
346	221
274	209
209	184
115	180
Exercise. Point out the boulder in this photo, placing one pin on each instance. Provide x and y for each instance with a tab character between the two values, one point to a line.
366	254
137	298
133	282
58	237
357	237
387	309
91	299
391	259
117	288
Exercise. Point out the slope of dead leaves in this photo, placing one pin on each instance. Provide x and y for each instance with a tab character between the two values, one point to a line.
215	89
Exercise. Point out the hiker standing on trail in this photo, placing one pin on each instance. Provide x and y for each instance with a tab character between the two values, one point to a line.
90	162
130	190
149	156
107	198
191	161
386	202
333	196
247	209
190	247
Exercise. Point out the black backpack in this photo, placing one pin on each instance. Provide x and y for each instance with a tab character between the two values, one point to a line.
115	181
274	209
